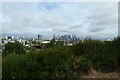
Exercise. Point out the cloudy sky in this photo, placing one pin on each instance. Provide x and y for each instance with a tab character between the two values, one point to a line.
94	19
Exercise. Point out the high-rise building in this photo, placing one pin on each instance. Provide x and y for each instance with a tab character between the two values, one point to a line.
54	36
39	37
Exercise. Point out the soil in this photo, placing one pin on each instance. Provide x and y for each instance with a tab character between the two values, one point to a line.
96	74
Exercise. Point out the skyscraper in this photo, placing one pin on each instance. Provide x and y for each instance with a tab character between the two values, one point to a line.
40	37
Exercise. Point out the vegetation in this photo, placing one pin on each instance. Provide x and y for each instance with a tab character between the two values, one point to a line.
16	48
60	61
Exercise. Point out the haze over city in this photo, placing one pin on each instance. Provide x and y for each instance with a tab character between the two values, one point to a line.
96	20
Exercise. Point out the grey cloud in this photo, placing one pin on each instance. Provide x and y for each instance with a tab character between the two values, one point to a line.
64	31
102	19
92	19
75	26
95	29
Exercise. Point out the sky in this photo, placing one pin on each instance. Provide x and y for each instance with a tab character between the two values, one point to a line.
84	19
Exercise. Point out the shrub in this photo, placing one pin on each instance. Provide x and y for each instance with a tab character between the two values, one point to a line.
16	48
55	62
82	65
13	65
18	67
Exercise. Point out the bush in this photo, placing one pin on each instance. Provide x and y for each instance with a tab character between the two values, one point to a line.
13	65
58	61
85	48
106	59
102	55
55	62
19	67
82	65
16	48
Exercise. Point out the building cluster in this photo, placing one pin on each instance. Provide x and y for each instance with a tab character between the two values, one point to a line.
8	39
67	39
25	41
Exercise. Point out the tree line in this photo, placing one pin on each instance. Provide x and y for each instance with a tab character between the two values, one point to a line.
60	61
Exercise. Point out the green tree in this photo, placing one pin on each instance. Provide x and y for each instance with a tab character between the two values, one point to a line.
82	65
13	66
54	62
16	48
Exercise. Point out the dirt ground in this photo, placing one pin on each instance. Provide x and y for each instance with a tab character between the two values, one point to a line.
95	74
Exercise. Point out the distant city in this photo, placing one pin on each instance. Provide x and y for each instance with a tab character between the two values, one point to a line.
39	38
27	41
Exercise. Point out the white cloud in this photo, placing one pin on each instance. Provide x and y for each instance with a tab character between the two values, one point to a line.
83	19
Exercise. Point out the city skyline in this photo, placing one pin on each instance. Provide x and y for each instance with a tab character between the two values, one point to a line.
93	19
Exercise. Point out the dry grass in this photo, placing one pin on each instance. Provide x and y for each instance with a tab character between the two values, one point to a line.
95	74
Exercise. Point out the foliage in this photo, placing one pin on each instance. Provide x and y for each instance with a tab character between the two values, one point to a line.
60	61
55	62
82	65
16	48
103	55
13	65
